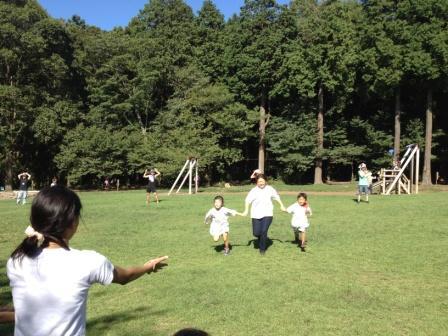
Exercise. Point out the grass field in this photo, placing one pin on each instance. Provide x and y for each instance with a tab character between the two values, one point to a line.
370	269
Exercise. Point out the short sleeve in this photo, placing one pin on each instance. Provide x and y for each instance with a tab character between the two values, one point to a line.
250	196
274	194
207	218
230	212
290	209
102	270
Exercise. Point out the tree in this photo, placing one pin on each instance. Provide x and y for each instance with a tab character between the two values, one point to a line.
429	59
209	46
327	45
386	36
253	56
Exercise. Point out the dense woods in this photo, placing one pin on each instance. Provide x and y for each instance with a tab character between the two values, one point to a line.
304	91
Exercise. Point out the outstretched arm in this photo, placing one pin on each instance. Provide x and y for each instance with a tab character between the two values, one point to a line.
123	276
279	201
7	315
246	209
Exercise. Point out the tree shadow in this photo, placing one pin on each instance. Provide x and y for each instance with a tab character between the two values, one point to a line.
100	325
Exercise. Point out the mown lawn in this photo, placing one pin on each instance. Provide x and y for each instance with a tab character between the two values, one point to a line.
370	269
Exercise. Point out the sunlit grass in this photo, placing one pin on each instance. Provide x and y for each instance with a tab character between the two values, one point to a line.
370	269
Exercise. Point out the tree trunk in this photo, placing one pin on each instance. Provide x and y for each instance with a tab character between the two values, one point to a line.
9	178
397	127
264	119
426	178
320	137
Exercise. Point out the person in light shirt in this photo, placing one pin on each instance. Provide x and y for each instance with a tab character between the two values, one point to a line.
300	211
260	200
219	224
50	281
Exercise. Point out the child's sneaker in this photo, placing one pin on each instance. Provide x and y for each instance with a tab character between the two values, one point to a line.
302	248
226	251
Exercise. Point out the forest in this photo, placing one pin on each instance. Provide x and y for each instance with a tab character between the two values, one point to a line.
304	91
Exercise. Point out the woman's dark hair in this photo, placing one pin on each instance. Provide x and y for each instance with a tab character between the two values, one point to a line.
304	195
191	332
219	198
259	176
54	209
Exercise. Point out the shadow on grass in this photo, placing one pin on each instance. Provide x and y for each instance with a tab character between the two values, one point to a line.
269	243
100	325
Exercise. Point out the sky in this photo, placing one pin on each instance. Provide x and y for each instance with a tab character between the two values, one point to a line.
108	14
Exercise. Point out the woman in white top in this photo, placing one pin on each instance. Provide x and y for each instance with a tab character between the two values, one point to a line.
262	210
49	280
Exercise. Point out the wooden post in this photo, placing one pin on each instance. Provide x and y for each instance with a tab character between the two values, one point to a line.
185	178
411	187
197	178
190	174
417	167
178	177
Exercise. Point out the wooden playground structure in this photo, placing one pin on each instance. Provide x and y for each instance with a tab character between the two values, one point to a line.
192	164
396	180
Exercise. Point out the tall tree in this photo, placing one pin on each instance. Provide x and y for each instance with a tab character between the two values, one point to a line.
429	59
328	46
385	38
209	45
253	56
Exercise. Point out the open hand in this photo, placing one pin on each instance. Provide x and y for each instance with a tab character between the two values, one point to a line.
156	264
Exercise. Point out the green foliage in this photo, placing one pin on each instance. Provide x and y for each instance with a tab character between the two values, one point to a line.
173	84
293	145
92	153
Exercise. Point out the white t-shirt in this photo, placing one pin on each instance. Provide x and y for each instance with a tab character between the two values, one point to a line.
218	218
50	291
299	215
151	178
261	201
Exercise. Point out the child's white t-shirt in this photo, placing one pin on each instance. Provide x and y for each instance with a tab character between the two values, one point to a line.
261	201
50	291
219	220
299	215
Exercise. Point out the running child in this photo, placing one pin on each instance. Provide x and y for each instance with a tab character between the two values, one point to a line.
49	279
152	184
219	225
301	212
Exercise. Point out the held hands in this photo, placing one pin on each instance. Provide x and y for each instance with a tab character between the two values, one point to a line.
154	265
282	208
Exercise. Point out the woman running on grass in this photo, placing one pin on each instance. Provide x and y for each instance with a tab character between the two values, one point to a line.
50	280
260	199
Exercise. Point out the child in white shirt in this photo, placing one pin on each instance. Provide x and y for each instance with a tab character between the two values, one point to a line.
300	211
219	225
49	279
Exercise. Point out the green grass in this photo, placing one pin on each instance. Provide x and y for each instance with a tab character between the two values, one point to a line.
370	269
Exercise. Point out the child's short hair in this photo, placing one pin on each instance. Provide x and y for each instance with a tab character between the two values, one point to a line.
219	197
304	195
